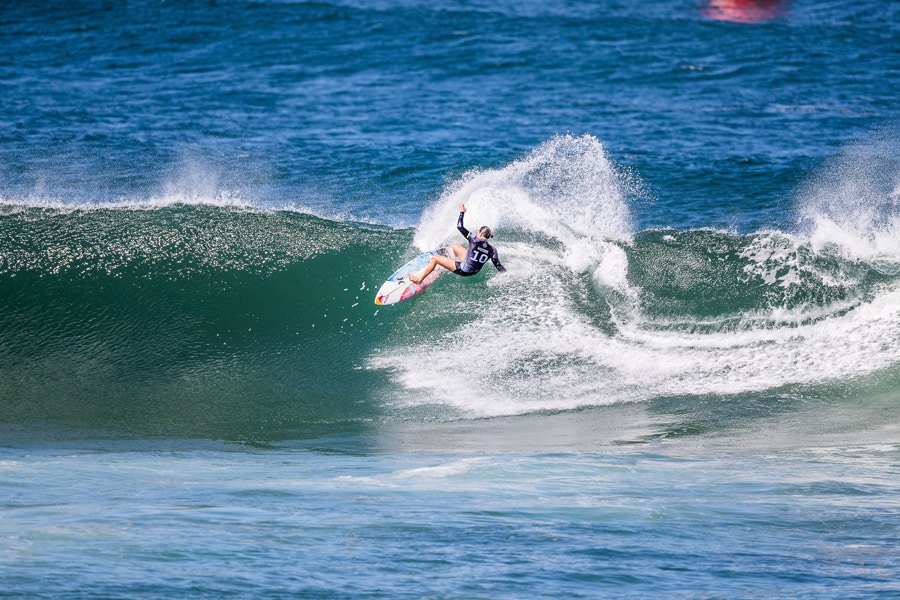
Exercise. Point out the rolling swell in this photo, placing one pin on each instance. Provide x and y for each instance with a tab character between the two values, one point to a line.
186	320
239	323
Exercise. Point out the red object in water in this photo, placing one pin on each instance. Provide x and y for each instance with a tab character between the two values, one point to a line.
743	11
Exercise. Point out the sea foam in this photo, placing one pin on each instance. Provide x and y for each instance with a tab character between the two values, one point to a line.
572	324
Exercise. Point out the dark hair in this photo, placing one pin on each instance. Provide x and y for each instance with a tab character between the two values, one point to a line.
485	232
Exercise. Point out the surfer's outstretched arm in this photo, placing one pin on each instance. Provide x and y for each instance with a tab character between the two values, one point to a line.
459	222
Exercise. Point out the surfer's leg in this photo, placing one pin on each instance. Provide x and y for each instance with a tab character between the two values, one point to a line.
447	263
460	252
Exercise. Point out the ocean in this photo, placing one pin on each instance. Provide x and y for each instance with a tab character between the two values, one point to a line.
686	384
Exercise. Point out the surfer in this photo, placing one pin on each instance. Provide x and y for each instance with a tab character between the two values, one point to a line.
468	261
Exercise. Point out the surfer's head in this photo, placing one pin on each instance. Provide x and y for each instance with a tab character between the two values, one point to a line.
485	232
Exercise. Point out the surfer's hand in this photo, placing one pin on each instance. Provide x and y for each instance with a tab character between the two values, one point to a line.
462	208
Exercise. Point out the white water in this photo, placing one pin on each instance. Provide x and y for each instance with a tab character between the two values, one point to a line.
565	329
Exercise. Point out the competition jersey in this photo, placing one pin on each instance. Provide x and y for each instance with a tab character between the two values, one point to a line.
478	253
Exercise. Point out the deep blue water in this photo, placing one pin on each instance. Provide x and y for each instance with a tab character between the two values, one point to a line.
686	384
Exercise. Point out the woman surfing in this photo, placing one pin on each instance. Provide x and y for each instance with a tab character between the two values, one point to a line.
468	260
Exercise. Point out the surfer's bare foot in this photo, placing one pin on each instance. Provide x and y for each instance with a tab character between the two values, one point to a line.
414	278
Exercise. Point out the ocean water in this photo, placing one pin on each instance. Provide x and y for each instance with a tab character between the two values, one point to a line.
687	384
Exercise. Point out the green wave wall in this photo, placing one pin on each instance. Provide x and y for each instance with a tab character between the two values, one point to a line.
186	319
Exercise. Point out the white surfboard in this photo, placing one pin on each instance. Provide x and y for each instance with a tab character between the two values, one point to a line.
398	287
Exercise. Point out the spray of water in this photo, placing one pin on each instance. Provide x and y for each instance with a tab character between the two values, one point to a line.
853	207
566	327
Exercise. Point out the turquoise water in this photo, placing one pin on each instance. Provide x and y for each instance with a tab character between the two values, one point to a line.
684	386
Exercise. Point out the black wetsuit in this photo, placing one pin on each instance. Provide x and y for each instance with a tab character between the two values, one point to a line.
478	253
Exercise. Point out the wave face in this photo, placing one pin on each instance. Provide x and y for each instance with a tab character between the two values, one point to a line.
181	318
223	320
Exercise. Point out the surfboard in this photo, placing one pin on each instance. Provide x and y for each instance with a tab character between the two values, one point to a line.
398	287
